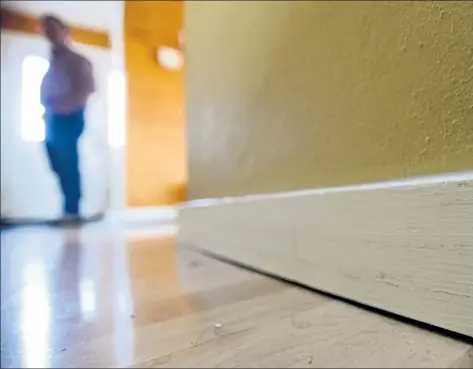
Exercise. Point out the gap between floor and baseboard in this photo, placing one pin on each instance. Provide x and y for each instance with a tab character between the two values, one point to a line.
389	315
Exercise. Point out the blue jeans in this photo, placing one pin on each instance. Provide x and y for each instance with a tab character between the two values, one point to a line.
62	137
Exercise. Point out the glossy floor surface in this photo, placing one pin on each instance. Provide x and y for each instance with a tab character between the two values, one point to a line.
93	297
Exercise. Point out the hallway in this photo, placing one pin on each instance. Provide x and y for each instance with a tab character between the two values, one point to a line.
93	297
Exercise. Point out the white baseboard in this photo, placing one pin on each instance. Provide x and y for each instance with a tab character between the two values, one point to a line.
165	230
402	246
145	222
148	216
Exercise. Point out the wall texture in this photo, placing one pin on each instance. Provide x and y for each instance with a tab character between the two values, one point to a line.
156	164
293	95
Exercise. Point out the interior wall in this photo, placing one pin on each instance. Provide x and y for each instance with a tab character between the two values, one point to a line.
156	157
19	22
293	95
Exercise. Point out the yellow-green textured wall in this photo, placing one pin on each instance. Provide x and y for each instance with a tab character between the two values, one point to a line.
292	95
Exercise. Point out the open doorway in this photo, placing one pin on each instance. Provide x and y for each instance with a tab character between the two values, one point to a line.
29	189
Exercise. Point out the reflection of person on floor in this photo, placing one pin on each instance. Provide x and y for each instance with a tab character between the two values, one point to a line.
65	90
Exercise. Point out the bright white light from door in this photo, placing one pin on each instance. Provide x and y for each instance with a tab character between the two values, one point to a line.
32	124
116	109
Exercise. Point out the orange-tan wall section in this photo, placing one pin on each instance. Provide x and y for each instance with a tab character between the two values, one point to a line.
156	155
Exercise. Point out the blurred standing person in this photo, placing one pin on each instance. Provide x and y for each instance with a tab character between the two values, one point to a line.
65	89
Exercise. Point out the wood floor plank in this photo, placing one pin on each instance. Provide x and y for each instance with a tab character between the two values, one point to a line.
329	335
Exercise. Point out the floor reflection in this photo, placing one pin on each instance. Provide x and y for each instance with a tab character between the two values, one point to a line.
81	295
60	289
123	303
36	320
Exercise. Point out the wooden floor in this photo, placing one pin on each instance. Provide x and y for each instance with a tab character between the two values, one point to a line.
95	298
